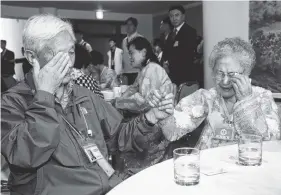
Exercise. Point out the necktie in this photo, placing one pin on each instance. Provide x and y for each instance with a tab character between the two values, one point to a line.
174	34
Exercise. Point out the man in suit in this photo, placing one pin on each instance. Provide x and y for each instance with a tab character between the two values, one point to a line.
158	50
80	41
115	57
128	70
181	48
166	28
7	66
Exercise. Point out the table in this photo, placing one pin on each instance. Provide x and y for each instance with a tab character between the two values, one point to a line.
239	180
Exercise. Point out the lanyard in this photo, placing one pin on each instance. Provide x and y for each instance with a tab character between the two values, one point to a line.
72	127
89	132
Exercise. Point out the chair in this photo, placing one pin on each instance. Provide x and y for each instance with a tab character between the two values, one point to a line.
190	139
123	80
278	103
175	89
186	89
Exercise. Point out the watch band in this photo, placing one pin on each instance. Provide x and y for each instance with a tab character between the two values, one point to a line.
147	122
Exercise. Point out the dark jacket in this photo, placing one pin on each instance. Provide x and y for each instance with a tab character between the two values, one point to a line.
43	152
26	67
7	64
180	54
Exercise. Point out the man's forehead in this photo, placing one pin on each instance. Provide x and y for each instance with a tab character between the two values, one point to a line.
63	41
175	12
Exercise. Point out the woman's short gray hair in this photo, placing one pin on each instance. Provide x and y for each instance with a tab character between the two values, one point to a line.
236	48
40	29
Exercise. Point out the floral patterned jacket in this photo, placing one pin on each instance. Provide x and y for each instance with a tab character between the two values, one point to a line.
256	114
152	77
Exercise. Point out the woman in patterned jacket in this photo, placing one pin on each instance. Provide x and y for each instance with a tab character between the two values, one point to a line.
232	107
150	78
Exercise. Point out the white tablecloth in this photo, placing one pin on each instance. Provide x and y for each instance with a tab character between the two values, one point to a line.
238	180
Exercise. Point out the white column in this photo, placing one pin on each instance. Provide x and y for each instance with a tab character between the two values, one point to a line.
49	10
222	20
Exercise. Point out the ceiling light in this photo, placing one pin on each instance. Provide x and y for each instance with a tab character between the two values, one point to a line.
99	14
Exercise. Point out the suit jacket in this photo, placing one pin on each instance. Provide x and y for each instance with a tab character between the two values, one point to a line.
118	57
165	43
161	59
180	54
7	67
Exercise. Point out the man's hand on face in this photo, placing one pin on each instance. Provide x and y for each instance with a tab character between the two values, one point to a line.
50	77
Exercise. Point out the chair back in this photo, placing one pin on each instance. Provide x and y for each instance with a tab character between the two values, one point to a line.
186	89
175	89
278	103
123	80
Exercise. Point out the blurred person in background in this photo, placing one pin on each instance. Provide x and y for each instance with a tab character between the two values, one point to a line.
82	71
158	50
115	57
129	71
80	41
106	77
8	77
26	66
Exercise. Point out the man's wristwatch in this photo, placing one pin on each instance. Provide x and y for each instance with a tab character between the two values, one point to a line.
147	122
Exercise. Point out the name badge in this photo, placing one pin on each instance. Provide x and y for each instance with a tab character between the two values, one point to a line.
176	44
94	155
224	133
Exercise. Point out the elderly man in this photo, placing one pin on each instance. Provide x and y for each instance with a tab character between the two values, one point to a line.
57	136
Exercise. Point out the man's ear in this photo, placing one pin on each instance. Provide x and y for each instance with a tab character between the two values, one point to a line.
30	56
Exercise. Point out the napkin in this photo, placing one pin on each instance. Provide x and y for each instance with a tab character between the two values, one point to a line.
212	170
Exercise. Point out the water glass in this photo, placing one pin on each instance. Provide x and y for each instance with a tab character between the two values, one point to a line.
186	166
250	150
117	92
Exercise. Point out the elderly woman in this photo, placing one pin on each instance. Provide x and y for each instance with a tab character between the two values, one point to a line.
233	107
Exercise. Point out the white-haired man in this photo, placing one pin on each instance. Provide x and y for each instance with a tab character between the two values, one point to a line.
57	136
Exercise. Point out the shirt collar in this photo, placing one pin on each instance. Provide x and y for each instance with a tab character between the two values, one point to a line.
160	55
4	51
179	27
81	42
129	37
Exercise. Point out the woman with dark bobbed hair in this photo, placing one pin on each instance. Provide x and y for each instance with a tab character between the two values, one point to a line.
151	77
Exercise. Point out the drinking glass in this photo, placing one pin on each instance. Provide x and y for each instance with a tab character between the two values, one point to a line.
250	150
186	166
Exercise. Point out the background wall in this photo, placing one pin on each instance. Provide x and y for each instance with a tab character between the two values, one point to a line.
145	20
10	31
13	19
194	17
221	20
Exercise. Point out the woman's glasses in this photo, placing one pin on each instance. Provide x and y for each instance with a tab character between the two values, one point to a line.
220	74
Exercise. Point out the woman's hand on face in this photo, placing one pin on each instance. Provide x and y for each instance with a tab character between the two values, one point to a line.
242	86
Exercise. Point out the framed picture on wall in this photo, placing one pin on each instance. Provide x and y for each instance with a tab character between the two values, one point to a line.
265	36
